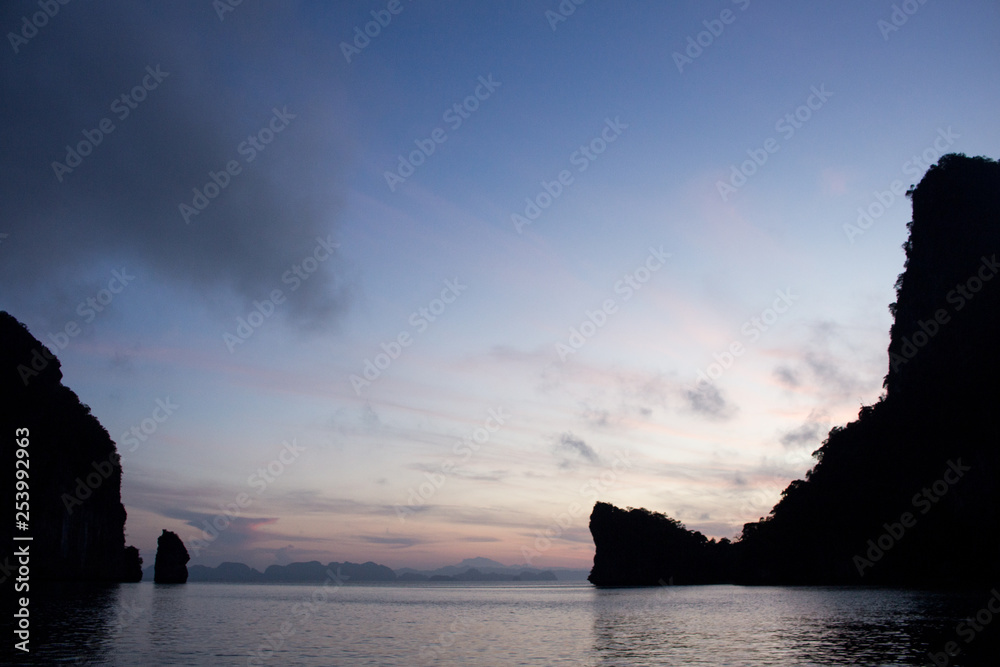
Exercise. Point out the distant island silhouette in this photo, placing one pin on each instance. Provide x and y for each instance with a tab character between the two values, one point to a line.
347	572
909	493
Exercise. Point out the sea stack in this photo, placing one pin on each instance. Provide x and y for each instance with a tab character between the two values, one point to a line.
172	557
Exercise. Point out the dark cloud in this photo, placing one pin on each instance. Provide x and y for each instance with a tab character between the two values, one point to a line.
573	534
826	356
829	373
577	448
460	473
787	376
209	86
705	399
396	542
473	538
216	535
597	417
811	430
370	419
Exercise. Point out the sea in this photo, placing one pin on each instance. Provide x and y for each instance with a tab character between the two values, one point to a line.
529	623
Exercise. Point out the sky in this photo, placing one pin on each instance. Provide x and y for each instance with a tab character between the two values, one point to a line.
412	282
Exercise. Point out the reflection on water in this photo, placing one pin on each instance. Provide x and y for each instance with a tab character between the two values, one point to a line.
731	625
500	624
78	624
168	620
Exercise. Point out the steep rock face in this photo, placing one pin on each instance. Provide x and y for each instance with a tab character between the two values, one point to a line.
909	493
172	558
637	547
950	267
77	520
927	453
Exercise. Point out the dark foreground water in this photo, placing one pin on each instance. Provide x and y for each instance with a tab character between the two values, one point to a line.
502	624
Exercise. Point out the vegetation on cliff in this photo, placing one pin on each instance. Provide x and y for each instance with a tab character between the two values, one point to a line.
77	520
909	493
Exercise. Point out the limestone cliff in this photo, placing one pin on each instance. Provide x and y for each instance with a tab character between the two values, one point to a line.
909	493
77	520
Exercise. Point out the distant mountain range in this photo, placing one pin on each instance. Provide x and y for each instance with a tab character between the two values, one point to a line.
470	569
490	570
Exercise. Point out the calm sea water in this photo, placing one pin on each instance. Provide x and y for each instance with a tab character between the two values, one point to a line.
495	624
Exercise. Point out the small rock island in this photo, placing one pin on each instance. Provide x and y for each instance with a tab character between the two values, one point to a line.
172	558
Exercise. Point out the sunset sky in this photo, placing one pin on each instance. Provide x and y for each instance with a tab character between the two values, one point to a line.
426	293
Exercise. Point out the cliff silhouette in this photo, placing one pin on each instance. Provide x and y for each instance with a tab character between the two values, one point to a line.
909	493
76	517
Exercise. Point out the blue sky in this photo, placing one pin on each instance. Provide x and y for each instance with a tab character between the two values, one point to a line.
477	436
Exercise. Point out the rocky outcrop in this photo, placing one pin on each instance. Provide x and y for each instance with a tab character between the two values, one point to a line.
73	478
171	560
909	493
637	547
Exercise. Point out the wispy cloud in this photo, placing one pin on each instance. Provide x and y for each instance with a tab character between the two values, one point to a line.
811	431
577	448
707	400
